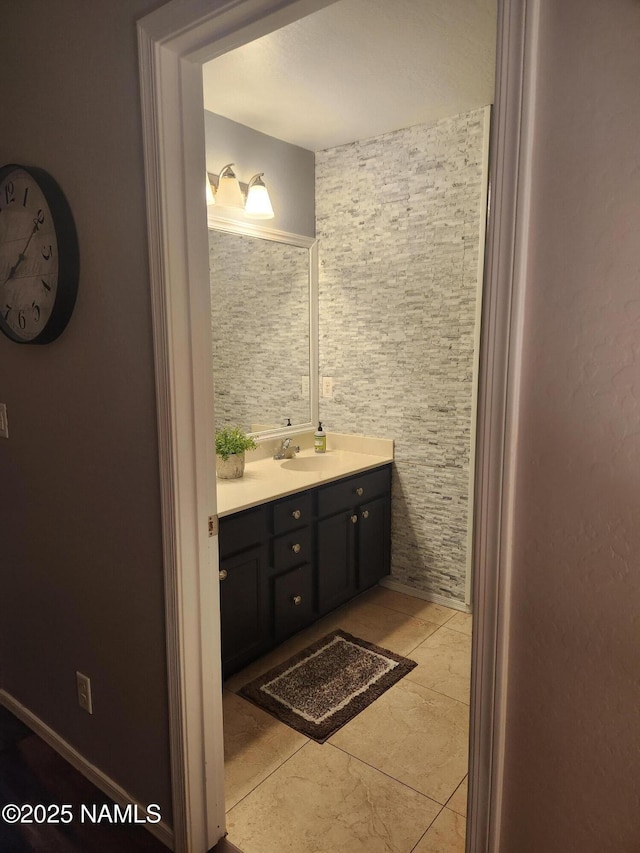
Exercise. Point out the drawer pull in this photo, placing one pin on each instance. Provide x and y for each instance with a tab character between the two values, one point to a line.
354	519
297	599
296	514
359	491
222	574
296	548
365	514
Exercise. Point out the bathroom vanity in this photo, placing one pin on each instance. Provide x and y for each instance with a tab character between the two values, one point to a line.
321	540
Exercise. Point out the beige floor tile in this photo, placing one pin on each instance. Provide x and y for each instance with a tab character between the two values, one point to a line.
458	802
390	628
445	835
387	628
413	734
409	604
324	801
461	622
444	664
255	744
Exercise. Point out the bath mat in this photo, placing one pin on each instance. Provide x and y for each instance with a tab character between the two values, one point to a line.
324	686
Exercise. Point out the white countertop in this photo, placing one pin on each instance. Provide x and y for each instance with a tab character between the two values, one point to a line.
267	479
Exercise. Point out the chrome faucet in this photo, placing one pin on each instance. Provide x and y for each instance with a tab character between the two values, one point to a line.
286	450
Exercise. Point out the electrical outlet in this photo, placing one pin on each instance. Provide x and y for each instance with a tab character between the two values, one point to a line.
4	423
83	683
327	386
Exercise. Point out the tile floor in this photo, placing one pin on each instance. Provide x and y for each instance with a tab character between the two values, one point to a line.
393	780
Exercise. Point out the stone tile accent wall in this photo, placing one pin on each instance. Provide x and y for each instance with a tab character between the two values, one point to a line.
398	222
260	330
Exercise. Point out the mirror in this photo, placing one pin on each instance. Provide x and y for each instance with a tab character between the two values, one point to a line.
264	327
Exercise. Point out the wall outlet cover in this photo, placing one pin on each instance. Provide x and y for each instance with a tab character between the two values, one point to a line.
327	386
83	685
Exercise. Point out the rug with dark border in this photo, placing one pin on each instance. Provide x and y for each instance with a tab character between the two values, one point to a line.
324	686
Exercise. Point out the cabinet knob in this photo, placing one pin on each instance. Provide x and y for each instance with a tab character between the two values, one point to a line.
222	574
354	519
297	599
296	514
365	513
359	491
296	548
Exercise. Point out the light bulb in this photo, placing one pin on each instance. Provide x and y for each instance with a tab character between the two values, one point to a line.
258	205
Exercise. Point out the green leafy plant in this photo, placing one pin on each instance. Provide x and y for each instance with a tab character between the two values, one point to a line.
230	440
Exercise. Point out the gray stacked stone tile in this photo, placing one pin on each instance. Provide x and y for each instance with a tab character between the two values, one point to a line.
398	222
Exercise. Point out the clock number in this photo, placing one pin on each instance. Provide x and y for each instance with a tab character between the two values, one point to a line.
8	311
46	286
22	322
39	219
24	200
36	311
9	192
47	252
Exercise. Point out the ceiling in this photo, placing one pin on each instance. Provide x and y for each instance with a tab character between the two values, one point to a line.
359	68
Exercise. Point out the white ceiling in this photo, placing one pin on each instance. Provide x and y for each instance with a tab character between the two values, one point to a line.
359	68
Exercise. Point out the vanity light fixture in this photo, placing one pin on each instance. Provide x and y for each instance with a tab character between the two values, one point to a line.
229	193
211	199
258	204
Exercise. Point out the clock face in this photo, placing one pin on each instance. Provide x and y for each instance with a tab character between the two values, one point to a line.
37	282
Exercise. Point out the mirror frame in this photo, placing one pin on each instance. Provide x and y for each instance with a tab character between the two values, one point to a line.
249	229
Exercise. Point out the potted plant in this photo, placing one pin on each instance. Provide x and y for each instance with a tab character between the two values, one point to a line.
231	443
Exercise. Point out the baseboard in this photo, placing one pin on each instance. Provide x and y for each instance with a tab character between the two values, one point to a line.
160	830
396	586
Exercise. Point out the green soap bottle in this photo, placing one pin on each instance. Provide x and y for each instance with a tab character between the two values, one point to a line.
320	440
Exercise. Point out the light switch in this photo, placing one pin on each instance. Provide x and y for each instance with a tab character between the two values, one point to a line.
4	423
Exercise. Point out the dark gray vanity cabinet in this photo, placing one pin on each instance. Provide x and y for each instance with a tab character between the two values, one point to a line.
244	591
287	562
353	549
291	573
244	607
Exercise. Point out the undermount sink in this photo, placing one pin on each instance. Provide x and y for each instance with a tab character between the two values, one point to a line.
311	463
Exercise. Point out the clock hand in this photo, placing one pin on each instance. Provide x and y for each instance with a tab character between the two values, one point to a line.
36	225
21	256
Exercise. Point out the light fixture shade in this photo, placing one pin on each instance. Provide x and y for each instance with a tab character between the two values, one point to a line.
229	193
211	199
258	205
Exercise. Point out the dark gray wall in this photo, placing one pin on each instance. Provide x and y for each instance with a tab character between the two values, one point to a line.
81	556
289	172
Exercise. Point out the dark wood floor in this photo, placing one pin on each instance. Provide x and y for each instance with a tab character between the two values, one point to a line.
32	773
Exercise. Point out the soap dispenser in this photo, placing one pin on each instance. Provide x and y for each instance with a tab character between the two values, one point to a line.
320	440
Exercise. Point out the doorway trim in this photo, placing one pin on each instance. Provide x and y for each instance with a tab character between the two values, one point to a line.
173	43
498	405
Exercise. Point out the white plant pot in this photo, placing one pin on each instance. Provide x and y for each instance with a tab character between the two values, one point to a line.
231	468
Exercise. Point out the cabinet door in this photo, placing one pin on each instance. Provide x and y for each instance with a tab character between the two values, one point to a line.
336	564
244	607
373	541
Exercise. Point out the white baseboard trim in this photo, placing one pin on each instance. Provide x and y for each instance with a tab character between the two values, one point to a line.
160	830
396	586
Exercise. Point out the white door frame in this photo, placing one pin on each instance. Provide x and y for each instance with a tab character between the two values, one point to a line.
173	42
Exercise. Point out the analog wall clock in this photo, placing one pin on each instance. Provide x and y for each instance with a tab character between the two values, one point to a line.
38	256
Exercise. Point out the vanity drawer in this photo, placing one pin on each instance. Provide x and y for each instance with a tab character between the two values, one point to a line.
292	512
354	490
291	549
243	530
293	601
